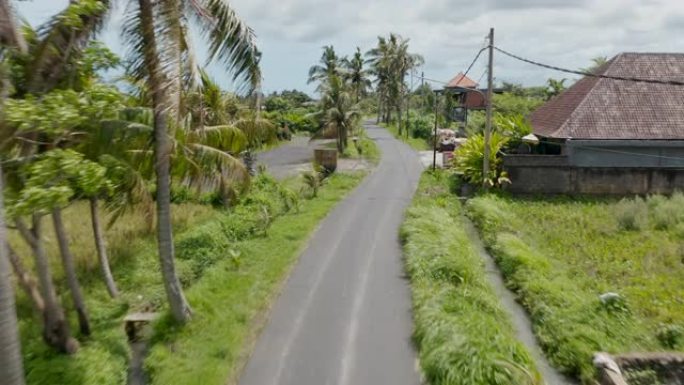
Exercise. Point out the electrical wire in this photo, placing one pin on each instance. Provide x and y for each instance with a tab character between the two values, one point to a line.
473	62
589	74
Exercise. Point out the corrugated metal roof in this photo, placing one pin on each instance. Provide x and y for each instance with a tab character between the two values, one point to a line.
616	109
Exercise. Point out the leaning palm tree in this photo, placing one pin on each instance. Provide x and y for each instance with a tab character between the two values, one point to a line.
357	74
158	47
11	367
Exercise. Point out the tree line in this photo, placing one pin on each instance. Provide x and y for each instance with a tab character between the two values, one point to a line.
343	82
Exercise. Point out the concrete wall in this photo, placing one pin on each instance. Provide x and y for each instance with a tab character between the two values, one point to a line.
549	174
625	153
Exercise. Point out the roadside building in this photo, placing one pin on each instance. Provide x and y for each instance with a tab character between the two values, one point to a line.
606	136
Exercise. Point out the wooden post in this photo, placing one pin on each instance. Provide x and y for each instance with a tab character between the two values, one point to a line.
434	137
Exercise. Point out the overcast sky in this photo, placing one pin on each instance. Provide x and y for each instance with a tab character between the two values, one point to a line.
448	33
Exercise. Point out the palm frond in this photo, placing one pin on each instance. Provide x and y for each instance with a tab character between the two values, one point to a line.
208	168
258	131
225	138
230	40
63	36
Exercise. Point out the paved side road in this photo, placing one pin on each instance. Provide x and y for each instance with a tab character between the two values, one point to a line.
344	316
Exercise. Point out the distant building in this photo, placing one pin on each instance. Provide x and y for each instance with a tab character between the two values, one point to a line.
605	136
463	89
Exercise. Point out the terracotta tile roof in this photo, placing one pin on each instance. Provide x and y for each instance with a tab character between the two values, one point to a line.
614	109
461	81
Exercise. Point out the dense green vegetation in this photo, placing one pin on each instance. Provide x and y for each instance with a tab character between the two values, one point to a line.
417	143
565	257
103	358
463	334
230	299
230	261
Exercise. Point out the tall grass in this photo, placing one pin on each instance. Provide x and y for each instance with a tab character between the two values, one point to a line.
562	255
463	335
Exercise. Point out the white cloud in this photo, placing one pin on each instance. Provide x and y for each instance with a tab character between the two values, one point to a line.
448	33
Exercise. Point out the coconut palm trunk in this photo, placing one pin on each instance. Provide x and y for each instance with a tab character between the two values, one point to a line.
11	363
11	366
55	326
340	142
70	272
377	120
26	281
162	151
101	246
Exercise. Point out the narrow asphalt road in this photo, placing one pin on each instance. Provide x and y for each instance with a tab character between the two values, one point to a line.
344	316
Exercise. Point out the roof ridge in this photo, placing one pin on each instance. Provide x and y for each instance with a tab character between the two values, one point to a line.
607	66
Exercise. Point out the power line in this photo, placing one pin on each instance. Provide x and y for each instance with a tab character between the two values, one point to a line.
474	60
477	56
584	73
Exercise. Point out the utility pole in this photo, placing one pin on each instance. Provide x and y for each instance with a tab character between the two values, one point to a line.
408	106
434	136
488	123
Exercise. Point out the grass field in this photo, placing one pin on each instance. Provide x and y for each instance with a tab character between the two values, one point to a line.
229	262
418	144
365	148
462	333
562	255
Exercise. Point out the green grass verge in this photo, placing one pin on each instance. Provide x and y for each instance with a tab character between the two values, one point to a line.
365	148
103	356
463	334
218	251
230	299
561	255
418	144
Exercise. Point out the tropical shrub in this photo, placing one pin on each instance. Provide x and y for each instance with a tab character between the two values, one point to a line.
422	127
470	156
512	126
632	214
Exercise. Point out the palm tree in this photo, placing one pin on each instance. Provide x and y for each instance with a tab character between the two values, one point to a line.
597	63
11	366
158	45
402	63
379	58
390	62
357	75
329	65
554	87
11	369
339	111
